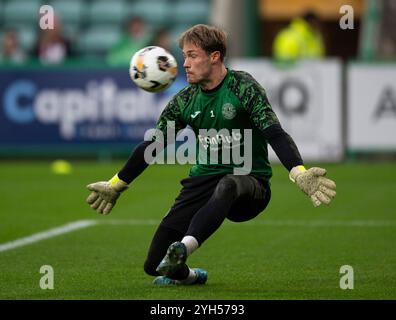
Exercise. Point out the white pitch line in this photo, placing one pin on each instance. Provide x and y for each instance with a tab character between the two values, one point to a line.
47	234
81	224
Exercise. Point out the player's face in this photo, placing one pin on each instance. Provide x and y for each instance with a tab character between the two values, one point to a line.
197	62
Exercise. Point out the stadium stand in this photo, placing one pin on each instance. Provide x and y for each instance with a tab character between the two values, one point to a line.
94	26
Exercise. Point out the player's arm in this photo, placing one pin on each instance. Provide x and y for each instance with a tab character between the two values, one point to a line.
312	181
283	145
104	194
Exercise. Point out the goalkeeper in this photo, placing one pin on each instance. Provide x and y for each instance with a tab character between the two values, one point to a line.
216	98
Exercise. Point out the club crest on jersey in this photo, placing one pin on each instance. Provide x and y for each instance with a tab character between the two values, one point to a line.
228	111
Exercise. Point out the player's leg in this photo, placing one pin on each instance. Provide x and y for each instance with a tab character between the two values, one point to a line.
162	239
232	192
195	193
229	191
246	208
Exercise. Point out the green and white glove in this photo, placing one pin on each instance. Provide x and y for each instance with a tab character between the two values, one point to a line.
313	183
104	194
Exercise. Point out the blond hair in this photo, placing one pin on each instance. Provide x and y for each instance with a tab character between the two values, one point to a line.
208	38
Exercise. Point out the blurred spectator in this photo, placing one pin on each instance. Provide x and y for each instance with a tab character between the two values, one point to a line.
137	36
162	39
387	30
11	52
52	47
302	38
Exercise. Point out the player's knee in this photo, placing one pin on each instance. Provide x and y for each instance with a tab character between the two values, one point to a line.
227	187
150	267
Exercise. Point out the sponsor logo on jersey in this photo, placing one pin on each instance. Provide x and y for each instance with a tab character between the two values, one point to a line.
222	139
209	147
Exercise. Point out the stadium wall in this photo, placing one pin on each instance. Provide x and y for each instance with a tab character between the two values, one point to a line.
371	111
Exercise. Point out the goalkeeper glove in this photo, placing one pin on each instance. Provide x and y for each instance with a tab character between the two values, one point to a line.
104	194
313	183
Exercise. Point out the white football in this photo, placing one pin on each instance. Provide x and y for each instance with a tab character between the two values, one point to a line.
153	69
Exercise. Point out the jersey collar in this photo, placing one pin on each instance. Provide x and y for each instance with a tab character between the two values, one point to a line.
215	89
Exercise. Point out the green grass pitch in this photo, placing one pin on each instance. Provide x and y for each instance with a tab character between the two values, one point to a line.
290	251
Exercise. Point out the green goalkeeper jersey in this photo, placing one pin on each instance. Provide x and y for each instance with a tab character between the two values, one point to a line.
238	104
